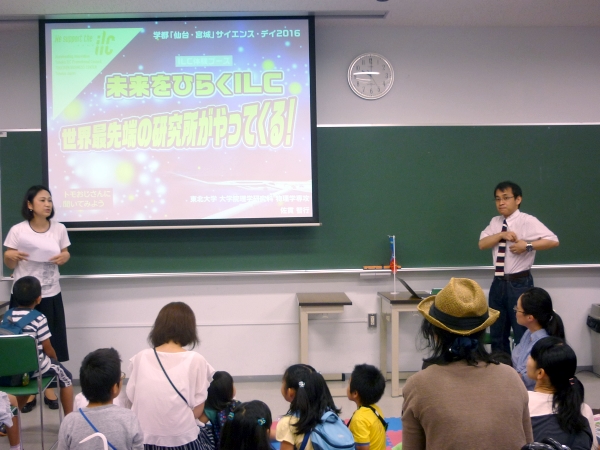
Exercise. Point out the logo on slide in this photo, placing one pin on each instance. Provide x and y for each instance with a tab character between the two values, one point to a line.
78	56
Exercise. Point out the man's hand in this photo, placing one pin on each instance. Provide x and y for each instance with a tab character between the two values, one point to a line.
518	247
509	236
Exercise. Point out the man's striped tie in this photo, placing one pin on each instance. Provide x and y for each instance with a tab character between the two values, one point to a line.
501	253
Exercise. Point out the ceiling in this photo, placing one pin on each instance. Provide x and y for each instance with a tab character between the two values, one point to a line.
328	12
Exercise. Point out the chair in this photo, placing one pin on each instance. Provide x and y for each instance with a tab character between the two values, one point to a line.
19	354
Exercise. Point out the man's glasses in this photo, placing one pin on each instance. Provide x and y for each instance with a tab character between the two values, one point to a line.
505	199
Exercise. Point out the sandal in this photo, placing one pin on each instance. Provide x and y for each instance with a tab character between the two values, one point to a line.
52	404
29	406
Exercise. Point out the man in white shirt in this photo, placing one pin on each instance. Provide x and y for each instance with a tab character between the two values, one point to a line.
514	237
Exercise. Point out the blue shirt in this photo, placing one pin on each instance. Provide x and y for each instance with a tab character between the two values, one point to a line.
521	352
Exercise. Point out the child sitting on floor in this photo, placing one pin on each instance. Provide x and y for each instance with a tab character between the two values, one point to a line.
248	428
367	423
219	403
101	380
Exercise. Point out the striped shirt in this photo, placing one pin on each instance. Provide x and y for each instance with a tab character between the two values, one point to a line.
39	330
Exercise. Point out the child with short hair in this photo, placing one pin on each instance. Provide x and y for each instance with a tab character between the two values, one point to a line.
27	293
248	427
219	403
101	382
367	424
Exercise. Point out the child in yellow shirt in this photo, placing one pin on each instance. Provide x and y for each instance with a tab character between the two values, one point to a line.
367	424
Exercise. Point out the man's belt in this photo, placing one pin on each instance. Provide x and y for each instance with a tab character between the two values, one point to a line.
515	276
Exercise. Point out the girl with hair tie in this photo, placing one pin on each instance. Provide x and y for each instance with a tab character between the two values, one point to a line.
534	311
248	428
556	403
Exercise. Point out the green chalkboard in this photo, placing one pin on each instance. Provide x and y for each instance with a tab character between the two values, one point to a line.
430	186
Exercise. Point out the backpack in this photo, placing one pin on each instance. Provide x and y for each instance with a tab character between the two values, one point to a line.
210	435
330	434
12	328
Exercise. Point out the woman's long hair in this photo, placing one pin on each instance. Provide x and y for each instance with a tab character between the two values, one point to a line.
312	397
537	302
447	347
559	362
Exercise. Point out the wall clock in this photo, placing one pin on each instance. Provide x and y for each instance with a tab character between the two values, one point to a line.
370	76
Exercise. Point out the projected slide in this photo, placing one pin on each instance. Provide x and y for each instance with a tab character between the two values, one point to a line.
179	120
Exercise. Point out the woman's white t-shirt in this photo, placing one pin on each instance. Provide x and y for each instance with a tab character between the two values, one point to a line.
166	420
40	247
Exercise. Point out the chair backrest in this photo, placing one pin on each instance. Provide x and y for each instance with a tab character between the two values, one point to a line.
19	354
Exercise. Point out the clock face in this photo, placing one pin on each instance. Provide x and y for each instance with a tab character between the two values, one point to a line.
370	76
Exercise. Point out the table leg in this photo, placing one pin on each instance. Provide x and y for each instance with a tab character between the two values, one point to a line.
303	336
382	338
395	352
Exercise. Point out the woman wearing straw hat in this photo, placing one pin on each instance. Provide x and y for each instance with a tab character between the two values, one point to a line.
463	399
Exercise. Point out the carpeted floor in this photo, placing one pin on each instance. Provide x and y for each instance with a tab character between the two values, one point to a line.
393	434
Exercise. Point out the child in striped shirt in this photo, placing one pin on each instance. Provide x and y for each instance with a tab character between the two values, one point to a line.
27	292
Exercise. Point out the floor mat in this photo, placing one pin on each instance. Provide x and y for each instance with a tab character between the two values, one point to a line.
393	434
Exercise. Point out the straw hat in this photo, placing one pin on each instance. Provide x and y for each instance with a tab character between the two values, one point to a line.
461	308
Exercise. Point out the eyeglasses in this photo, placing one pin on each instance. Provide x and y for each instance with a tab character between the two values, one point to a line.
518	310
500	199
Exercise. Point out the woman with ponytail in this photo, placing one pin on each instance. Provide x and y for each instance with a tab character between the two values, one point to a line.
309	397
556	403
534	311
463	399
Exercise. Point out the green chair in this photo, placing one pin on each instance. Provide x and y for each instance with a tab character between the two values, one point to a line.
19	355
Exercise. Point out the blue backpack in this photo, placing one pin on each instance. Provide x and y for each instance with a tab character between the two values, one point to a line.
330	434
10	327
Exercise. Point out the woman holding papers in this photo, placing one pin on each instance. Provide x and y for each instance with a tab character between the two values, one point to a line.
36	247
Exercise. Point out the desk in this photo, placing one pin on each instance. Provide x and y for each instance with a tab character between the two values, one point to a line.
319	303
399	302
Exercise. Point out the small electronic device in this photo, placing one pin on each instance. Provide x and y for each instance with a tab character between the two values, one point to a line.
413	293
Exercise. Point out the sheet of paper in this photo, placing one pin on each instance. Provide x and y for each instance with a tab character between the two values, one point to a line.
39	247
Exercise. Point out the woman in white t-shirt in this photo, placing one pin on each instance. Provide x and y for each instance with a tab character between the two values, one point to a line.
36	247
168	384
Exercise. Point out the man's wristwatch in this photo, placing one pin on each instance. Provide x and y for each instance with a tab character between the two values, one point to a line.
529	247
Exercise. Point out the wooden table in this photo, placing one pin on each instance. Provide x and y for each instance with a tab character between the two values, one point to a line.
399	302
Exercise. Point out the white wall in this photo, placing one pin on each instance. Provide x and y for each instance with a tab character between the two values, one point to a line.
464	76
19	76
249	325
444	76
